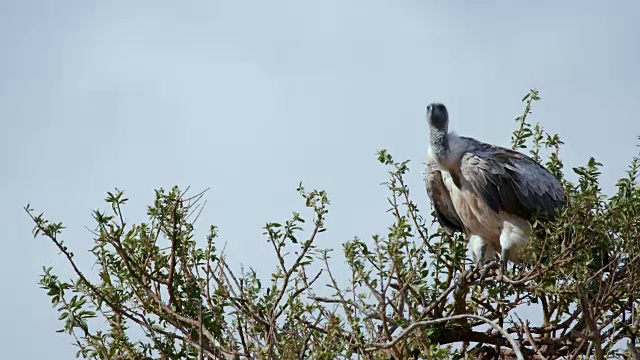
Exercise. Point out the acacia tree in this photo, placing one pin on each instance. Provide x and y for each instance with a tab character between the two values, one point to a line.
413	293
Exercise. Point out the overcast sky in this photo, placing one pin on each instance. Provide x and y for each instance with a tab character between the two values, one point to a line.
251	97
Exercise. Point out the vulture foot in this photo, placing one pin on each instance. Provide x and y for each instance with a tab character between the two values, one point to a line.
461	280
485	267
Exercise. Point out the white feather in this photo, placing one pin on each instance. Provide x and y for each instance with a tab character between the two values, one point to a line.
480	248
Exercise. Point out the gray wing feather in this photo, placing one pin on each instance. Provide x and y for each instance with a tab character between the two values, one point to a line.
511	181
441	201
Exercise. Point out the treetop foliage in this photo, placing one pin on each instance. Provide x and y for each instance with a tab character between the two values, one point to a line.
411	293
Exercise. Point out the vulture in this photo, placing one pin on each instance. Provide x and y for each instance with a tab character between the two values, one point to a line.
487	192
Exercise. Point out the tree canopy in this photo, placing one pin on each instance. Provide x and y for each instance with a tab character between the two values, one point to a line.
157	292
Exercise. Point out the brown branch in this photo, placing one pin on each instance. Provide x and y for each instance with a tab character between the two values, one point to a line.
633	352
424	323
446	293
595	332
530	339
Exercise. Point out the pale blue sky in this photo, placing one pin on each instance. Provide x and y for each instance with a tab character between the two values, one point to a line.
251	97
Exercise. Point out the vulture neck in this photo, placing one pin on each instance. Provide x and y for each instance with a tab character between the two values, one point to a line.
439	143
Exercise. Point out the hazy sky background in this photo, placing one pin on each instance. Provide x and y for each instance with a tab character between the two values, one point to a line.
251	97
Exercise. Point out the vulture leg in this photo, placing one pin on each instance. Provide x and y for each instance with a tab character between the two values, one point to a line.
488	266
505	260
461	280
480	249
514	236
482	252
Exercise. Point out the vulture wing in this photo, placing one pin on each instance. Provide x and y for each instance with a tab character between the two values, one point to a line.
511	181
441	201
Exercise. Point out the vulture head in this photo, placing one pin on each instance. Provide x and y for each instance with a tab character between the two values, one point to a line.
438	116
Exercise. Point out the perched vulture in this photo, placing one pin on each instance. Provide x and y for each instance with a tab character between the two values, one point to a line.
487	192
